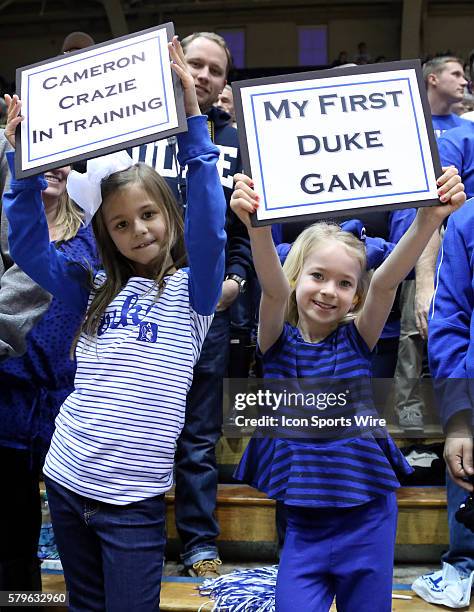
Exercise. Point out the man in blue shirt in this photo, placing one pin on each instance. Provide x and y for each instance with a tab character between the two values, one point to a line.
450	348
451	355
445	82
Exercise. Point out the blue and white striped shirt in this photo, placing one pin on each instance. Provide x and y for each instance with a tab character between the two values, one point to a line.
115	434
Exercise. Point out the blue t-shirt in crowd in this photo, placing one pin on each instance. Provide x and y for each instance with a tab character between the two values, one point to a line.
456	148
443	123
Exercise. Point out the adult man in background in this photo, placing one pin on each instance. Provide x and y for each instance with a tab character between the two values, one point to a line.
226	102
196	471
445	83
450	351
456	146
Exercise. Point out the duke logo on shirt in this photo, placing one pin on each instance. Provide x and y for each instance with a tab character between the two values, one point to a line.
148	332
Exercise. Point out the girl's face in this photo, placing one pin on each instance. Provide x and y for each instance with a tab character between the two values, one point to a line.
136	225
56	180
326	287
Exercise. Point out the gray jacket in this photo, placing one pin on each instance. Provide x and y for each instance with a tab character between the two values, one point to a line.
22	302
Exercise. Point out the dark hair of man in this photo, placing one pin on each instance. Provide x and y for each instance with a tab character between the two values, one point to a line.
471	62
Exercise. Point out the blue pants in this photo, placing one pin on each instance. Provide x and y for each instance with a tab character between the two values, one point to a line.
195	462
347	553
112	555
461	539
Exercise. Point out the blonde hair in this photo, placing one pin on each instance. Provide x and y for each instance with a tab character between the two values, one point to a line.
68	219
310	239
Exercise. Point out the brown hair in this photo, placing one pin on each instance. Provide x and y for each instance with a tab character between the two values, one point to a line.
118	269
310	239
215	38
438	64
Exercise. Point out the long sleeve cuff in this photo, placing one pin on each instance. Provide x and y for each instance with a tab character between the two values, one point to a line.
33	183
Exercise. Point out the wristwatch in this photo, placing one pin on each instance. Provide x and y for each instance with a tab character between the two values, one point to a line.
239	280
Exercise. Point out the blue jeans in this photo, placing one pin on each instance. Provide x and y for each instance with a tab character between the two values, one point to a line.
461	539
196	466
112	555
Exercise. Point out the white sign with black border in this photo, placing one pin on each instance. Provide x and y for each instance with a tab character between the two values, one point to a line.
102	99
338	141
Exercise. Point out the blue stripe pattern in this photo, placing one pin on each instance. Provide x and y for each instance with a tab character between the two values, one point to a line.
326	472
115	434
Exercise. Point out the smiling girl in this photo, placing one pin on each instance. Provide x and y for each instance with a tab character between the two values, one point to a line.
320	317
146	317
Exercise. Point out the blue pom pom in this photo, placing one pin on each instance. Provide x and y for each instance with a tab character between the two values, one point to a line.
251	590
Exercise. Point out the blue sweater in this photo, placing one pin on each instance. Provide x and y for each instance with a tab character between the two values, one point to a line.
451	324
33	386
341	467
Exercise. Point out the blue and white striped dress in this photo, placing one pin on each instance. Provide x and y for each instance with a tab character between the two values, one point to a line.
341	472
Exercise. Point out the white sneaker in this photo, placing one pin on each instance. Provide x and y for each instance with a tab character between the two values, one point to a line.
445	587
421	460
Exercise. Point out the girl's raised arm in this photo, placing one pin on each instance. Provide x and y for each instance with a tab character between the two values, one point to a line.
28	234
204	231
274	284
403	258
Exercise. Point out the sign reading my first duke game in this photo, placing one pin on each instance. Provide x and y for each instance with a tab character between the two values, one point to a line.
329	142
99	100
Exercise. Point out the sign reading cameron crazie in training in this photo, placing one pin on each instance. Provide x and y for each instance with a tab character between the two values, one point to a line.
99	100
333	141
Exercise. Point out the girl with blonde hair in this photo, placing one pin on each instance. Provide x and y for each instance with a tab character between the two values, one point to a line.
320	318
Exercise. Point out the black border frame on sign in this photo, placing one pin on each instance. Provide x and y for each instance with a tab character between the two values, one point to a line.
133	142
321	74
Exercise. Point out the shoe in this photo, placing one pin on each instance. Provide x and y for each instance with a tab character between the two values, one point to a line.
206	568
445	587
421	458
410	418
